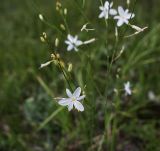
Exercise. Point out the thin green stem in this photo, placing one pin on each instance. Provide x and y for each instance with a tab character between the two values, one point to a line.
65	22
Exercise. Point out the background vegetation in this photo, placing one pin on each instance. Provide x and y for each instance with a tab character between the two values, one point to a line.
26	93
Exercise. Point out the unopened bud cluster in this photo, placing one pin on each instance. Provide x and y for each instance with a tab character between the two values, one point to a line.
43	37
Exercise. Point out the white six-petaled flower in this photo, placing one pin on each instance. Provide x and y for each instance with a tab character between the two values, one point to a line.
73	42
123	16
127	88
73	100
107	10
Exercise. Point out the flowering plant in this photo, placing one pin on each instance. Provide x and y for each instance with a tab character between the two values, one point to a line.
112	20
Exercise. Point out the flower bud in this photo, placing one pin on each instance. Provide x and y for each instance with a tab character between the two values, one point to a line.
42	39
44	35
89	41
70	66
62	27
65	11
56	42
41	17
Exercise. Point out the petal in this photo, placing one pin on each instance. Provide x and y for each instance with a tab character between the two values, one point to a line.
125	21
112	12
70	47
70	38
67	42
101	8
77	92
127	84
128	91
111	4
106	15
75	48
70	106
69	93
128	16
81	97
120	10
78	43
75	39
78	106
117	17
126	11
101	15
133	15
64	102
120	22
106	5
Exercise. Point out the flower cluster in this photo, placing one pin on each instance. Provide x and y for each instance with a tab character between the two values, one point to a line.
122	15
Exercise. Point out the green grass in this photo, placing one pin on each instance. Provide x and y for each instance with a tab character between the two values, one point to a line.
26	93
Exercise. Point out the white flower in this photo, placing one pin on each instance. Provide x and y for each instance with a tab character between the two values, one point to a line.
107	10
123	16
127	88
138	30
84	27
152	96
73	43
73	100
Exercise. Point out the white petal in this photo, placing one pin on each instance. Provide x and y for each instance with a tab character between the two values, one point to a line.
111	4
70	47
112	12
67	42
128	84
70	38
126	11
70	106
128	91
75	48
125	21
69	93
77	92
81	97
120	22
106	15
133	15
106	5
64	102
78	106
101	15
128	15
117	17
78	43
101	8
75	39
121	10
